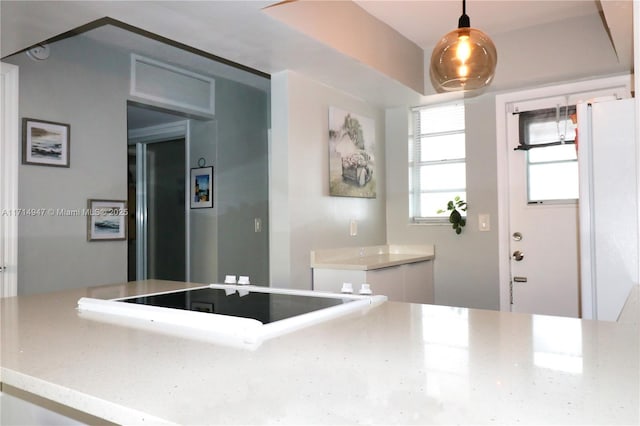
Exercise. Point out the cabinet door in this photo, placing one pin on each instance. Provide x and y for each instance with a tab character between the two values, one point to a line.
388	282
331	279
418	279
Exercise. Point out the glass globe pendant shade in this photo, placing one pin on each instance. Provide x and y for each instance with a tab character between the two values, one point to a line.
464	59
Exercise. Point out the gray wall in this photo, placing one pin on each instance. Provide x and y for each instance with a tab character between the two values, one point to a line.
204	222
466	265
223	240
303	215
242	181
86	84
80	84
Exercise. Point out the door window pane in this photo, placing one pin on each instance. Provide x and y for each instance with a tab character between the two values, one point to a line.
553	153
553	181
546	139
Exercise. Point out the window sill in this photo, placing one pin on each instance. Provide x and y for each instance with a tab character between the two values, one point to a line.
430	222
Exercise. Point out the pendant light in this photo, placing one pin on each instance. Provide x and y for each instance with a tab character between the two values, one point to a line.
464	59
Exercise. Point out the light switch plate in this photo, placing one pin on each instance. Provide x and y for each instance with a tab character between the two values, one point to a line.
484	222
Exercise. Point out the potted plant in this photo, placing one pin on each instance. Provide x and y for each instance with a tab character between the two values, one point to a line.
456	206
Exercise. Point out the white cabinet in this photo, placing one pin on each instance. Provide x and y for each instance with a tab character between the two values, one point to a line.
403	273
409	282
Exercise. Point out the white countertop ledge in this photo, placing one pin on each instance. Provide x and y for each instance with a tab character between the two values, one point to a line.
365	258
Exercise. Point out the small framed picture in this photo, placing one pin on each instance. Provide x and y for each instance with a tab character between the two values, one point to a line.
45	143
201	188
107	220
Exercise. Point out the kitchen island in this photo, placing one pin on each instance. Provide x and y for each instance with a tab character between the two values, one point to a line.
396	363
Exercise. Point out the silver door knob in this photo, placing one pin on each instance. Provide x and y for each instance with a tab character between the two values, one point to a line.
517	255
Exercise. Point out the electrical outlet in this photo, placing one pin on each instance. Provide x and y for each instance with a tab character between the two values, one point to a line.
257	224
353	228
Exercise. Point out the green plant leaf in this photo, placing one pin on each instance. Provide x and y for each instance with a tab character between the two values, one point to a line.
455	216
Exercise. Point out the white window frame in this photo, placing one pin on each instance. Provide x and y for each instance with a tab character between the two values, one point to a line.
415	191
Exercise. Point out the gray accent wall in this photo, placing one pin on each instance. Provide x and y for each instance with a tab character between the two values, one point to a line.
242	181
81	84
203	139
86	85
223	238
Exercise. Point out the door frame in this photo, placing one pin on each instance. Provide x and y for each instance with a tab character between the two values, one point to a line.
141	137
503	103
10	160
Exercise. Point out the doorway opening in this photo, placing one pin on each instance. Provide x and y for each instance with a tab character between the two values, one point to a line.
158	246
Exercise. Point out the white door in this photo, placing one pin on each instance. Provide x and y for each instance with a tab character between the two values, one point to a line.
8	180
543	204
546	278
543	227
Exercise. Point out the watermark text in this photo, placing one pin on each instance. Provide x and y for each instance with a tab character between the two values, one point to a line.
33	212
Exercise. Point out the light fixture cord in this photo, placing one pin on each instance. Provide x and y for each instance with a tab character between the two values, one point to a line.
464	21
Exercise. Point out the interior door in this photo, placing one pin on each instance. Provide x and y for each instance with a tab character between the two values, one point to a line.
166	229
543	233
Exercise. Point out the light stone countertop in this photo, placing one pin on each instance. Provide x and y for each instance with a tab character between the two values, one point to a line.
397	363
368	258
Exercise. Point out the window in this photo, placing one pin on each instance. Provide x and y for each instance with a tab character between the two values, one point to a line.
548	138
437	167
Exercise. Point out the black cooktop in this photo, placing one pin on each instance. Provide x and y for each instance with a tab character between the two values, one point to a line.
264	307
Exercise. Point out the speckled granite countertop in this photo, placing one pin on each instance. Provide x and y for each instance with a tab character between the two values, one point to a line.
397	363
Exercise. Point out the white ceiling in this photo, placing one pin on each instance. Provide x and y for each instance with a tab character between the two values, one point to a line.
241	32
424	22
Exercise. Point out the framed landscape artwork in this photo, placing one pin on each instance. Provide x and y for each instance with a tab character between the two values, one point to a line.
45	143
107	220
201	188
351	158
